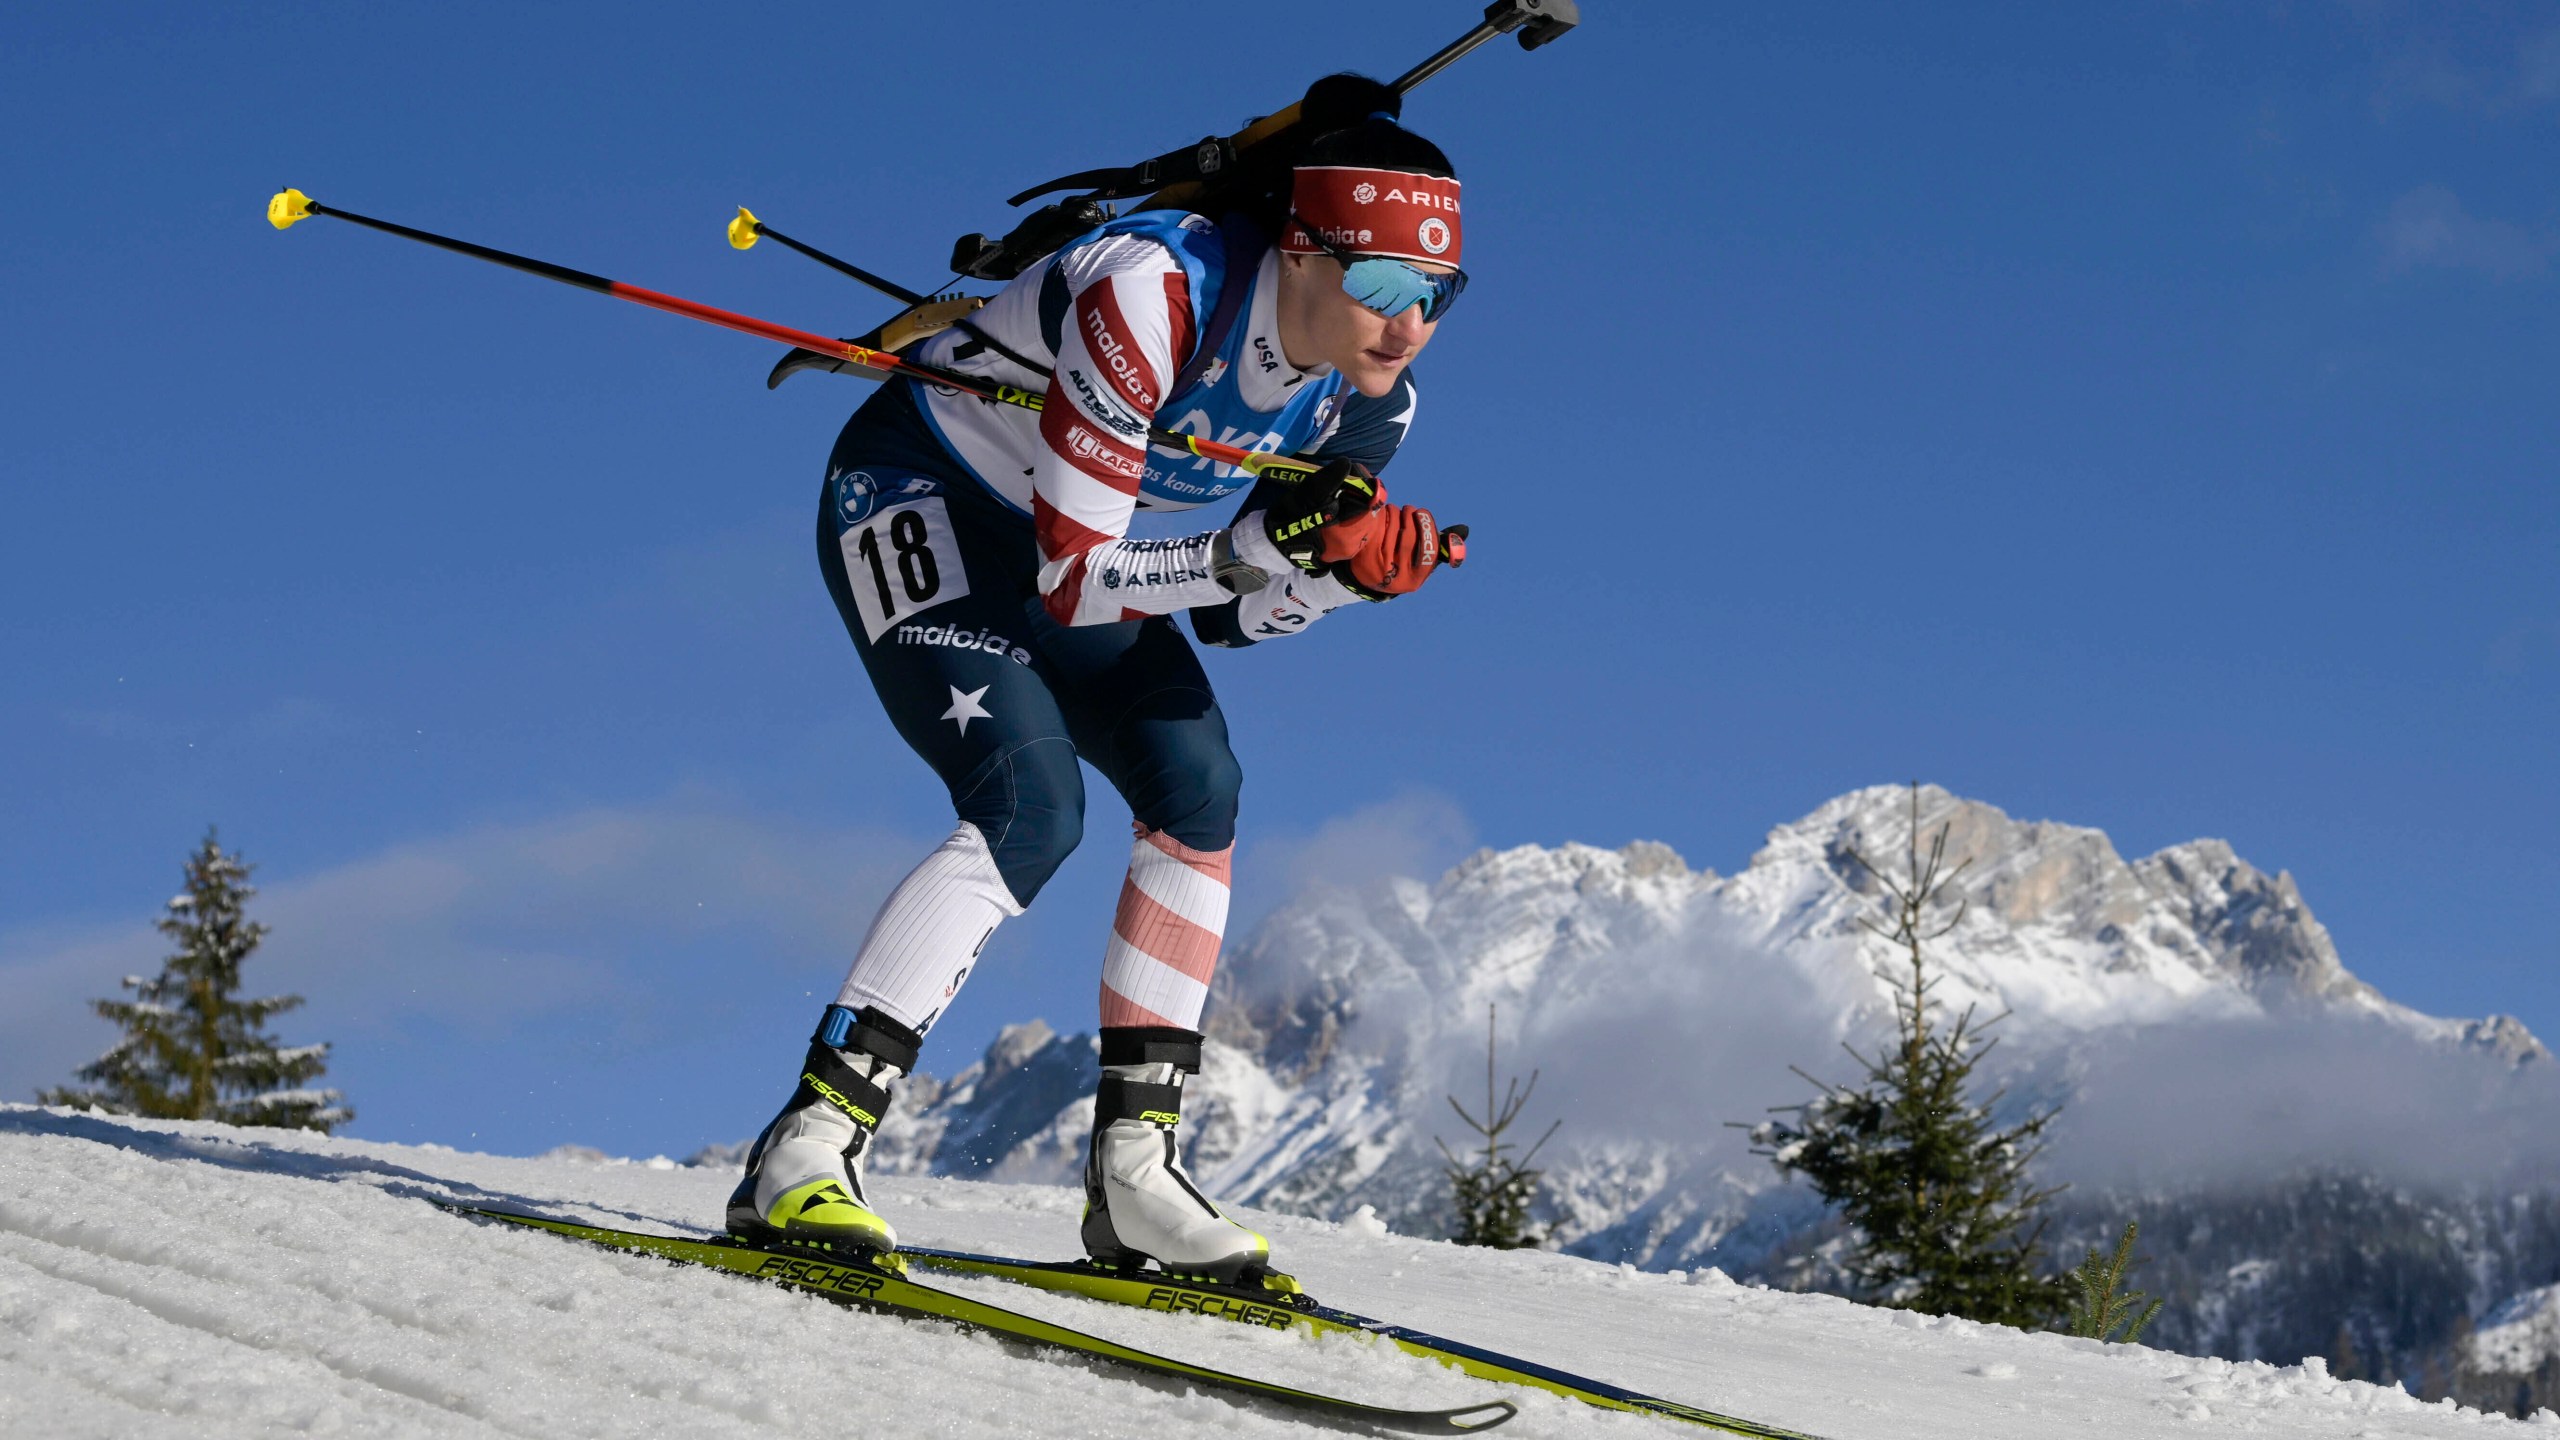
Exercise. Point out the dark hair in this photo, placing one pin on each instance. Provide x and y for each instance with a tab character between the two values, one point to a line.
1376	143
1342	99
1345	119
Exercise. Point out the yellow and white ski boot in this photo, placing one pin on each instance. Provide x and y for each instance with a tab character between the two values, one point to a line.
804	1176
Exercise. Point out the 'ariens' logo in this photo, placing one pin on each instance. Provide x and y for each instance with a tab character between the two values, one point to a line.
1428	200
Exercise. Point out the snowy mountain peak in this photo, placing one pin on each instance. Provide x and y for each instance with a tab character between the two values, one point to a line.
2255	928
2058	926
2503	1036
1342	1021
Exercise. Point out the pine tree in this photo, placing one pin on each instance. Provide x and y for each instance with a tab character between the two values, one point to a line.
193	1049
1947	1220
1492	1194
2105	1310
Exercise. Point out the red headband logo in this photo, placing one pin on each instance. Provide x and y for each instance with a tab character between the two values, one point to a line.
1377	212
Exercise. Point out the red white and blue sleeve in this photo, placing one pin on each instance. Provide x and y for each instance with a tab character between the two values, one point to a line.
1130	324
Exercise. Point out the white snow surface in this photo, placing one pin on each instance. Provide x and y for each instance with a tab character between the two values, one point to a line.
185	1279
2519	1335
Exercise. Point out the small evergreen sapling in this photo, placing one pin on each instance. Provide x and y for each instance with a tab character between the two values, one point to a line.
2099	1311
1492	1194
1947	1220
193	1049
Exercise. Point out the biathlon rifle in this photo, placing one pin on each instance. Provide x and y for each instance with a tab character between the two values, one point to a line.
1178	179
1189	178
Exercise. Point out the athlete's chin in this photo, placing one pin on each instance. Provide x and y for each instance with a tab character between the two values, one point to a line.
1374	374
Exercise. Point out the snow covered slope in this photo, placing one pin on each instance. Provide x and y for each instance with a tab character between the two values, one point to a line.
161	1279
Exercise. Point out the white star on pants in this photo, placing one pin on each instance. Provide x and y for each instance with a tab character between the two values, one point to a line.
965	708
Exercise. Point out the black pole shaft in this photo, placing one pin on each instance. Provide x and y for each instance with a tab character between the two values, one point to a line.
543	268
901	293
890	288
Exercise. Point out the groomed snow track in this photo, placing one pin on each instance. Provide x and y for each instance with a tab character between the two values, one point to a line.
170	1279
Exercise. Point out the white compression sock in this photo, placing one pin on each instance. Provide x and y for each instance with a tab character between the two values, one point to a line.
929	931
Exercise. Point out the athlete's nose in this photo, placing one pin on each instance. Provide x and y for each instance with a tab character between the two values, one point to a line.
1408	330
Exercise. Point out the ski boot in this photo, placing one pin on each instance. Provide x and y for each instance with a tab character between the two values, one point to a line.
804	1177
1138	1203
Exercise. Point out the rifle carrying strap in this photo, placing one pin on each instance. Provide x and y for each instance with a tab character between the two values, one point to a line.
1245	244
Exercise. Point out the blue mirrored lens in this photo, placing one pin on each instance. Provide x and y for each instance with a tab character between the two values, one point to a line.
1391	287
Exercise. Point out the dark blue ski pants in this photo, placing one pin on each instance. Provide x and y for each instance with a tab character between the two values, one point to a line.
997	697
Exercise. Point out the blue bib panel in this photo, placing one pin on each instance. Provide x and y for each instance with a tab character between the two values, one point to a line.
1212	406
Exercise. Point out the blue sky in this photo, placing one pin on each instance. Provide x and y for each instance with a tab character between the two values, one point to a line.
2143	417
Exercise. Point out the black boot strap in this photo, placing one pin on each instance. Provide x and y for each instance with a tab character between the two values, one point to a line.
869	1032
1119	1099
1152	1045
826	1075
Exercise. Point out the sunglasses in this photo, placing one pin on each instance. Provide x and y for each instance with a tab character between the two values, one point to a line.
1391	287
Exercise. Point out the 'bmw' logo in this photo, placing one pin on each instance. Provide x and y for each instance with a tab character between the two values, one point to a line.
856	496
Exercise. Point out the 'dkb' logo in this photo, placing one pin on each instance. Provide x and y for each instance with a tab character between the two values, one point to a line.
857	494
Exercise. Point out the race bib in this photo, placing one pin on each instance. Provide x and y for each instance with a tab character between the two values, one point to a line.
902	560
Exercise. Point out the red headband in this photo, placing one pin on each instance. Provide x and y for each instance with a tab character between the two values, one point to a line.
1375	212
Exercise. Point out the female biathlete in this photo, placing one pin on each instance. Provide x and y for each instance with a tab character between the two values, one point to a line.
980	558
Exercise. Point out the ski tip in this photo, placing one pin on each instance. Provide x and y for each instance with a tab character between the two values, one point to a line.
289	207
745	230
1478	1417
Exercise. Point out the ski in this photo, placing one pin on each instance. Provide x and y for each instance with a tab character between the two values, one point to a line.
868	1282
1281	1307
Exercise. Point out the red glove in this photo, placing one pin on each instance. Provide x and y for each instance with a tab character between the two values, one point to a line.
1354	530
1402	553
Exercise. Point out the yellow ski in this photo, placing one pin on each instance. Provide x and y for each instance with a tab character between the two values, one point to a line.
1280	1305
877	1282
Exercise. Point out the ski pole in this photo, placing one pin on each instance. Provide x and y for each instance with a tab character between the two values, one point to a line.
747	229
290	207
923	316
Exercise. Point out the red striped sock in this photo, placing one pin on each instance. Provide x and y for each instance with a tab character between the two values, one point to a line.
1164	941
